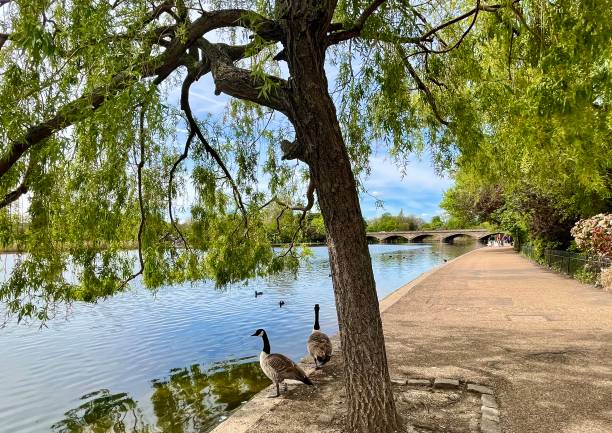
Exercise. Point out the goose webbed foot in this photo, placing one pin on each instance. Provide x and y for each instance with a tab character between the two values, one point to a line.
277	392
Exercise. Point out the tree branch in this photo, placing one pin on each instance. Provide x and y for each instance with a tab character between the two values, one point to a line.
421	85
241	83
487	8
3	38
513	32
160	67
446	50
356	29
265	28
23	188
141	163
180	159
523	21
426	23
14	195
304	209
194	128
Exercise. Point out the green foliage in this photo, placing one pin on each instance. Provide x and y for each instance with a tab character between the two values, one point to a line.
436	223
543	128
84	210
520	111
390	223
586	276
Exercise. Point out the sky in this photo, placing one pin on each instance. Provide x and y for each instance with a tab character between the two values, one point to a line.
416	190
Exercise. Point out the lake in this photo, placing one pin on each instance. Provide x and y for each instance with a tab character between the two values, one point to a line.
179	359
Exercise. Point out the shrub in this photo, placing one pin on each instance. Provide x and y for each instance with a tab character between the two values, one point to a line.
594	235
605	279
586	276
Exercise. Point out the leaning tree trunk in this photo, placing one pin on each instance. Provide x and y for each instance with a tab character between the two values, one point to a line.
370	397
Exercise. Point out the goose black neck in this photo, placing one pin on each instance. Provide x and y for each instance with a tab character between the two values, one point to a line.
316	324
266	342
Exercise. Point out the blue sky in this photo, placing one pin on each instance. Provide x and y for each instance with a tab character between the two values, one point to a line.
417	190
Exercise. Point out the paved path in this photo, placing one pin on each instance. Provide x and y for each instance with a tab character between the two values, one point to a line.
542	340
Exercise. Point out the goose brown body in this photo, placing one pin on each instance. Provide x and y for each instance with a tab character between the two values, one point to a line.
278	367
319	345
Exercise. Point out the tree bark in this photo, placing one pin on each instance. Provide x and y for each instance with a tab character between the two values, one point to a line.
313	114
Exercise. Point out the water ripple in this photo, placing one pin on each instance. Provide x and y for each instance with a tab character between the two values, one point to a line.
180	356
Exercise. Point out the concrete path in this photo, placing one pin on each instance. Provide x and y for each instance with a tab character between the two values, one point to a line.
541	340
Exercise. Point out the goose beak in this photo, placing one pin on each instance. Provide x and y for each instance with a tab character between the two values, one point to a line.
254	335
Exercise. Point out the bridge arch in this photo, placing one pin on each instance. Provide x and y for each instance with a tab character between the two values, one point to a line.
395	237
423	237
373	239
484	238
452	236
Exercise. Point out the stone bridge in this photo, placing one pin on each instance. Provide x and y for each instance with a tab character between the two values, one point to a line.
432	235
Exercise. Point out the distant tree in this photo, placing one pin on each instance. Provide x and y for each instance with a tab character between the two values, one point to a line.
389	223
436	222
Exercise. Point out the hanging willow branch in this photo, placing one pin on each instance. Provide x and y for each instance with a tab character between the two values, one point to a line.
180	159
429	97
141	163
193	126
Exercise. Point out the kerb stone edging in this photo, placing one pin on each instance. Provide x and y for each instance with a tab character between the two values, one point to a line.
247	415
489	409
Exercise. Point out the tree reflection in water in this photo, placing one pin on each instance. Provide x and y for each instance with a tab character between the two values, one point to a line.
191	399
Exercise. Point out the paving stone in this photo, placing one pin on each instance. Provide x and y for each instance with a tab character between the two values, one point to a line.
488	426
419	382
488	401
397	381
490	417
325	418
489	411
441	382
473	387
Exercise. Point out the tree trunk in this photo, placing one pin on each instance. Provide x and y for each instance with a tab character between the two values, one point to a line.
370	397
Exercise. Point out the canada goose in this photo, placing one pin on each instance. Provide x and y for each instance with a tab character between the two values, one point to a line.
319	345
281	303
278	367
258	293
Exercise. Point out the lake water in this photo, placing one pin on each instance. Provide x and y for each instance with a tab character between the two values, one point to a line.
177	360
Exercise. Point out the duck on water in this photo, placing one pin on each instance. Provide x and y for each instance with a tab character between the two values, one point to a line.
278	367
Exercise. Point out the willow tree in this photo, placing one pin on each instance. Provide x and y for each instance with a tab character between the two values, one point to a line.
87	136
537	157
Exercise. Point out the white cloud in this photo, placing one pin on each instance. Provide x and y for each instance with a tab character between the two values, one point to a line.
416	190
418	174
